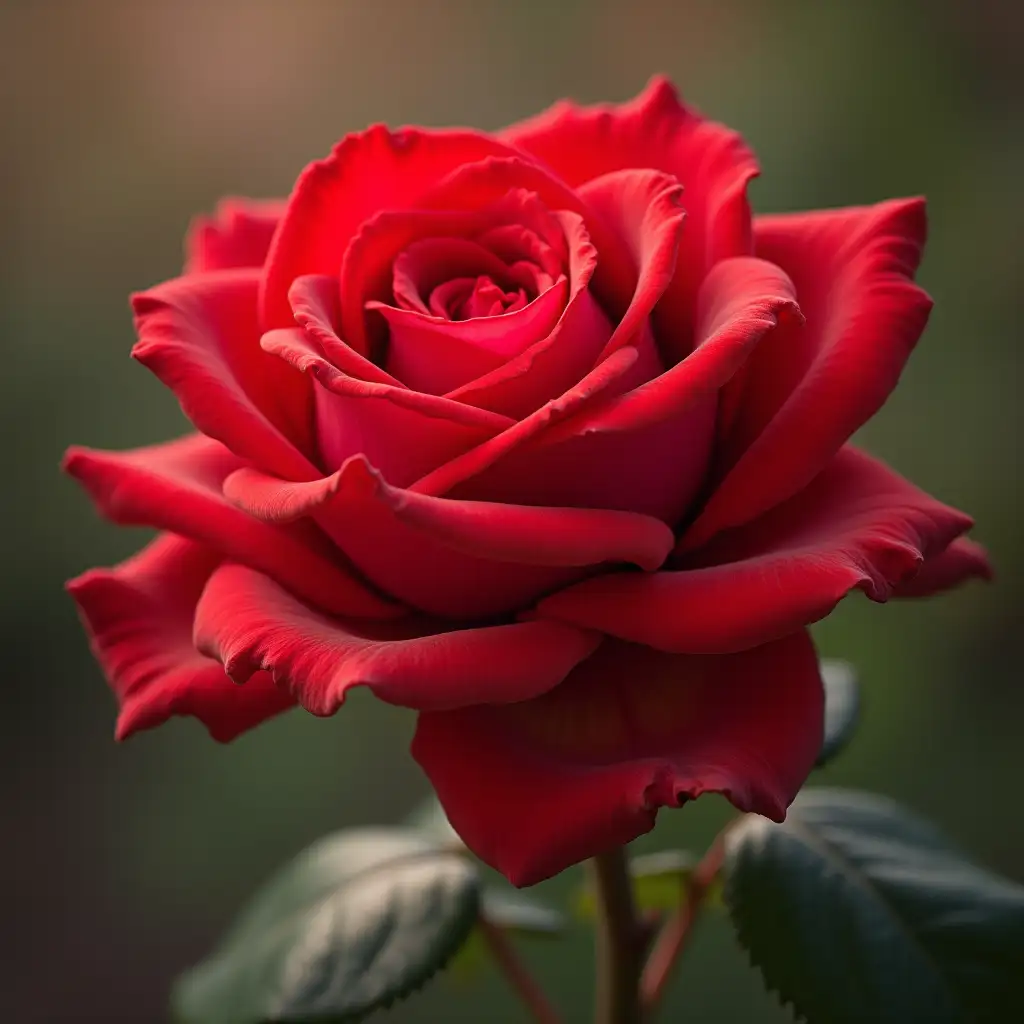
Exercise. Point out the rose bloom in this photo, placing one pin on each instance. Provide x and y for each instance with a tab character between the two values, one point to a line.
540	434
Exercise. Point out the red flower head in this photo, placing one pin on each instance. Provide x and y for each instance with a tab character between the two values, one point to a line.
540	434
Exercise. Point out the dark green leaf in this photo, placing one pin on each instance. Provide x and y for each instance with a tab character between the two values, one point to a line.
360	919
842	707
856	911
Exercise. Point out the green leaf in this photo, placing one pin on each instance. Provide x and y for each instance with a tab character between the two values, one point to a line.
856	911
360	919
516	912
842	707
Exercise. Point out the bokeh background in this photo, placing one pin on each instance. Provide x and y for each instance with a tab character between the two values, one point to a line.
119	120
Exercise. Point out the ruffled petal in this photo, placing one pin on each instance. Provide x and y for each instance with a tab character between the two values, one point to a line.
804	394
200	336
237	235
250	624
648	450
177	487
405	433
963	560
656	130
535	787
858	525
139	619
366	172
461	559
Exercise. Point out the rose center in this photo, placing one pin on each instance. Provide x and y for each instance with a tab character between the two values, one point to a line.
466	298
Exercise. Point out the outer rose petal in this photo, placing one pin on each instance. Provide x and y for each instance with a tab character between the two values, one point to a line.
406	433
368	171
803	395
200	336
961	561
237	235
453	558
139	619
858	525
177	487
249	623
535	787
613	454
655	130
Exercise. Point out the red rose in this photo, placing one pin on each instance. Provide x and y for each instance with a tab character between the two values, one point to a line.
539	434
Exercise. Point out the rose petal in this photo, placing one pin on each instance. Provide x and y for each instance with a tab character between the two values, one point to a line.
366	172
656	130
249	623
858	525
139	619
961	561
453	558
478	185
199	335
434	355
316	307
237	235
177	487
645	208
615	453
553	364
405	433
604	377
803	394
444	212
535	787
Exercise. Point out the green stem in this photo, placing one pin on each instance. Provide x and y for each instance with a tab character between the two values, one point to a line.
619	949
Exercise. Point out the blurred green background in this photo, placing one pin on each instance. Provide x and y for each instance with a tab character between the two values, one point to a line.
118	121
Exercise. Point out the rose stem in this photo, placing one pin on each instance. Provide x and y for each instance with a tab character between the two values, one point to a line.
515	971
618	941
675	934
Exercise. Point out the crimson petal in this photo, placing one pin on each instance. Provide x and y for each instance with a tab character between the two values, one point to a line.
237	235
656	130
961	561
406	433
249	623
612	454
200	336
139	619
177	487
366	172
535	787
454	558
858	525
805	392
